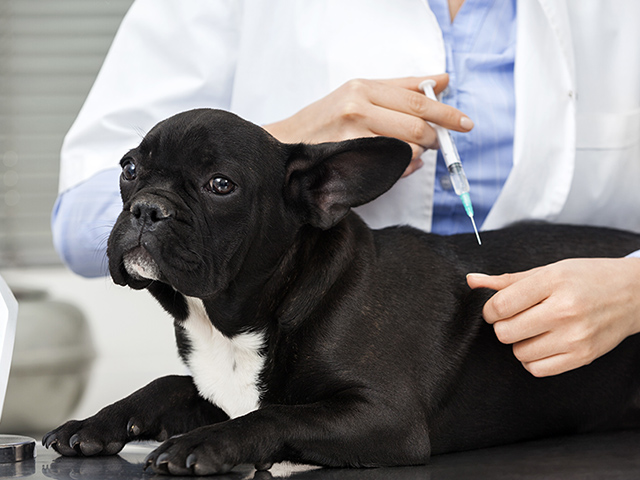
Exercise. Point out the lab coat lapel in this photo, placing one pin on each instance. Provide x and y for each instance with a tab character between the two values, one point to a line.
545	125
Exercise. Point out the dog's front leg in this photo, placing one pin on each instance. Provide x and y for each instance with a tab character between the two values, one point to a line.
167	406
338	433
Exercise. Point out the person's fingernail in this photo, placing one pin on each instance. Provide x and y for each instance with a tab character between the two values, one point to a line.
466	123
478	275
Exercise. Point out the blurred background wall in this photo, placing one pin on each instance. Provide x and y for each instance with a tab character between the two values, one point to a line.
81	344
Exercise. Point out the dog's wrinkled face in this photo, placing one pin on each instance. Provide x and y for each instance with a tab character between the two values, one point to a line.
190	191
206	194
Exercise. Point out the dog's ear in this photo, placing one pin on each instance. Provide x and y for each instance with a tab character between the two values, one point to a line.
325	180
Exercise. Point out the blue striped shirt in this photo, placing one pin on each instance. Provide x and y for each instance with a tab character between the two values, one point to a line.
480	53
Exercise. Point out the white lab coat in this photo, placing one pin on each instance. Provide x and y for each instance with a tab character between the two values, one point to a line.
577	86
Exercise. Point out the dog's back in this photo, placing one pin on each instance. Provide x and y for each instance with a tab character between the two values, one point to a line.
528	245
484	395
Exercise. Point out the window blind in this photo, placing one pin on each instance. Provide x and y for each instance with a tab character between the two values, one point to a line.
50	53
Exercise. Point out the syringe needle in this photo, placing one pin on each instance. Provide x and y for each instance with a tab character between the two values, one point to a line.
468	208
476	230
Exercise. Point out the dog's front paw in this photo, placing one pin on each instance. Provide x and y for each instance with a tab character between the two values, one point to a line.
106	433
204	451
86	437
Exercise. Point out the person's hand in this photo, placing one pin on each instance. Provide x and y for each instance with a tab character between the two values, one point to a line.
564	315
366	108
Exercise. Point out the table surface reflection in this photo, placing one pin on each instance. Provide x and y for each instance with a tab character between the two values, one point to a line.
609	455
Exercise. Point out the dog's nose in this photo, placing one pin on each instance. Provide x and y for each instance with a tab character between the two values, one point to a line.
149	211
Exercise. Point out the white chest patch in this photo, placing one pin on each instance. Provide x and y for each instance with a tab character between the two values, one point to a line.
225	370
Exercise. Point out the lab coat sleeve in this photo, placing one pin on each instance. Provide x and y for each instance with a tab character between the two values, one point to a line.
82	219
167	57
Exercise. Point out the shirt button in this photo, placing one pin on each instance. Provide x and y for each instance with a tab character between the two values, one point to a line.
445	182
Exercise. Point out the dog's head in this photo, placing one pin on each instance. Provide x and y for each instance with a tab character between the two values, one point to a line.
206	194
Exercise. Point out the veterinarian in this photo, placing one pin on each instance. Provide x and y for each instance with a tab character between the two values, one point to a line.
550	129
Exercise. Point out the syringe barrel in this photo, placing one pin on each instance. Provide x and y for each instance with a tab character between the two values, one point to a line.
447	147
458	178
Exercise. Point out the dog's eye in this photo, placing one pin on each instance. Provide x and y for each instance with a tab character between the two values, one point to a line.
129	170
221	185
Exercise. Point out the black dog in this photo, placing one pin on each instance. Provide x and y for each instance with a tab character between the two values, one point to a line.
326	342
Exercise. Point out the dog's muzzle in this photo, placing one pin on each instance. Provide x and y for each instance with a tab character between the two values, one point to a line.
140	265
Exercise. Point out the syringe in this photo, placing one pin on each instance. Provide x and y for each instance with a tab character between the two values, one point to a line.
452	159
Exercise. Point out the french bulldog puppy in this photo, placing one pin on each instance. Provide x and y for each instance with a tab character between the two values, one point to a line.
311	337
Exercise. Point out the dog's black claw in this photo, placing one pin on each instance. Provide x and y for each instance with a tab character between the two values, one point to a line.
148	461
133	430
161	464
49	439
191	460
263	466
74	441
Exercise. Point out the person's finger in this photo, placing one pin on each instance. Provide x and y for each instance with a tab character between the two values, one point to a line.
418	105
516	293
539	347
410	102
497	282
392	123
413	83
416	162
554	365
530	323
